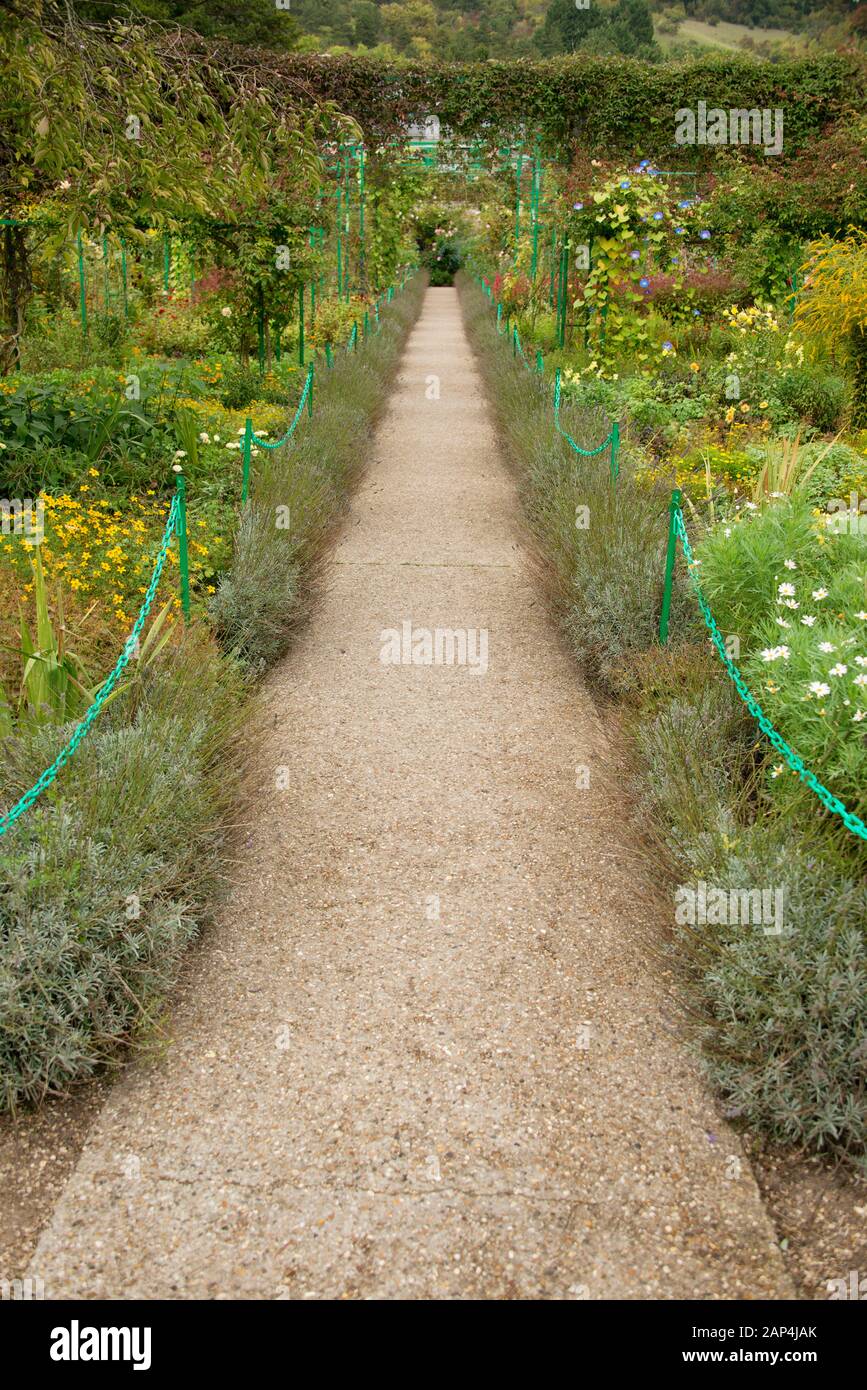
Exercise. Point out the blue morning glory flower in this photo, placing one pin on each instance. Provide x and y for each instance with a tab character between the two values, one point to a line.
685	203
635	255
679	231
705	235
696	313
667	346
625	183
577	206
644	282
658	216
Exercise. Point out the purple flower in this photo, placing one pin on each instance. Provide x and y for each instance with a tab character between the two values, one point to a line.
685	203
625	183
644	282
667	346
635	255
696	313
577	206
679	231
675	260
658	216
705	235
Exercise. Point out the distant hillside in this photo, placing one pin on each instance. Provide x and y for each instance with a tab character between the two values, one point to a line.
473	30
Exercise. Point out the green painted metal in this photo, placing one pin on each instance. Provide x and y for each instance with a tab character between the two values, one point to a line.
167	261
301	325
82	294
183	554
827	798
247	450
130	649
670	556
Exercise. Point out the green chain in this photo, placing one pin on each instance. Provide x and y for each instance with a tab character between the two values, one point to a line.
849	819
263	443
586	453
83	728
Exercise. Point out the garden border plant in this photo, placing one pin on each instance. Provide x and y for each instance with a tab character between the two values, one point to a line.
782	1018
107	878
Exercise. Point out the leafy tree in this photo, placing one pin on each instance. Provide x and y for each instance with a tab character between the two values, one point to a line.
253	22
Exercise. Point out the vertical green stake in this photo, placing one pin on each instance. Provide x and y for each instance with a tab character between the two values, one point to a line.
82	297
615	450
362	272
310	394
366	323
123	277
301	326
278	342
106	285
248	450
328	357
167	261
518	171
540	362
260	327
673	510
355	334
339	250
183	557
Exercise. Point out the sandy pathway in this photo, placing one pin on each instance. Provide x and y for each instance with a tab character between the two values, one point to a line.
425	1053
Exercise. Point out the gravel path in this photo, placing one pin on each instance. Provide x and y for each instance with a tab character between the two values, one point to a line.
427	1051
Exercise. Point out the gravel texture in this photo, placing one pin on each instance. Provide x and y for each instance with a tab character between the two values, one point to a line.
428	1051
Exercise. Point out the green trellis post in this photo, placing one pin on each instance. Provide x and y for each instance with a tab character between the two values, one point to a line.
301	325
310	392
260	329
82	295
247	455
167	261
123	277
362	271
518	171
183	556
106	281
673	510
339	248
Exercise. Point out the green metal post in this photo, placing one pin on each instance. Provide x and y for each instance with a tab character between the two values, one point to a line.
248	451
540	362
106	281
261	332
673	510
362	270
310	393
615	450
339	250
328	357
167	261
518	172
123	277
301	325
82	296
183	556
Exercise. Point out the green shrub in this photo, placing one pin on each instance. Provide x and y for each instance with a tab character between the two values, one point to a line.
103	885
817	398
